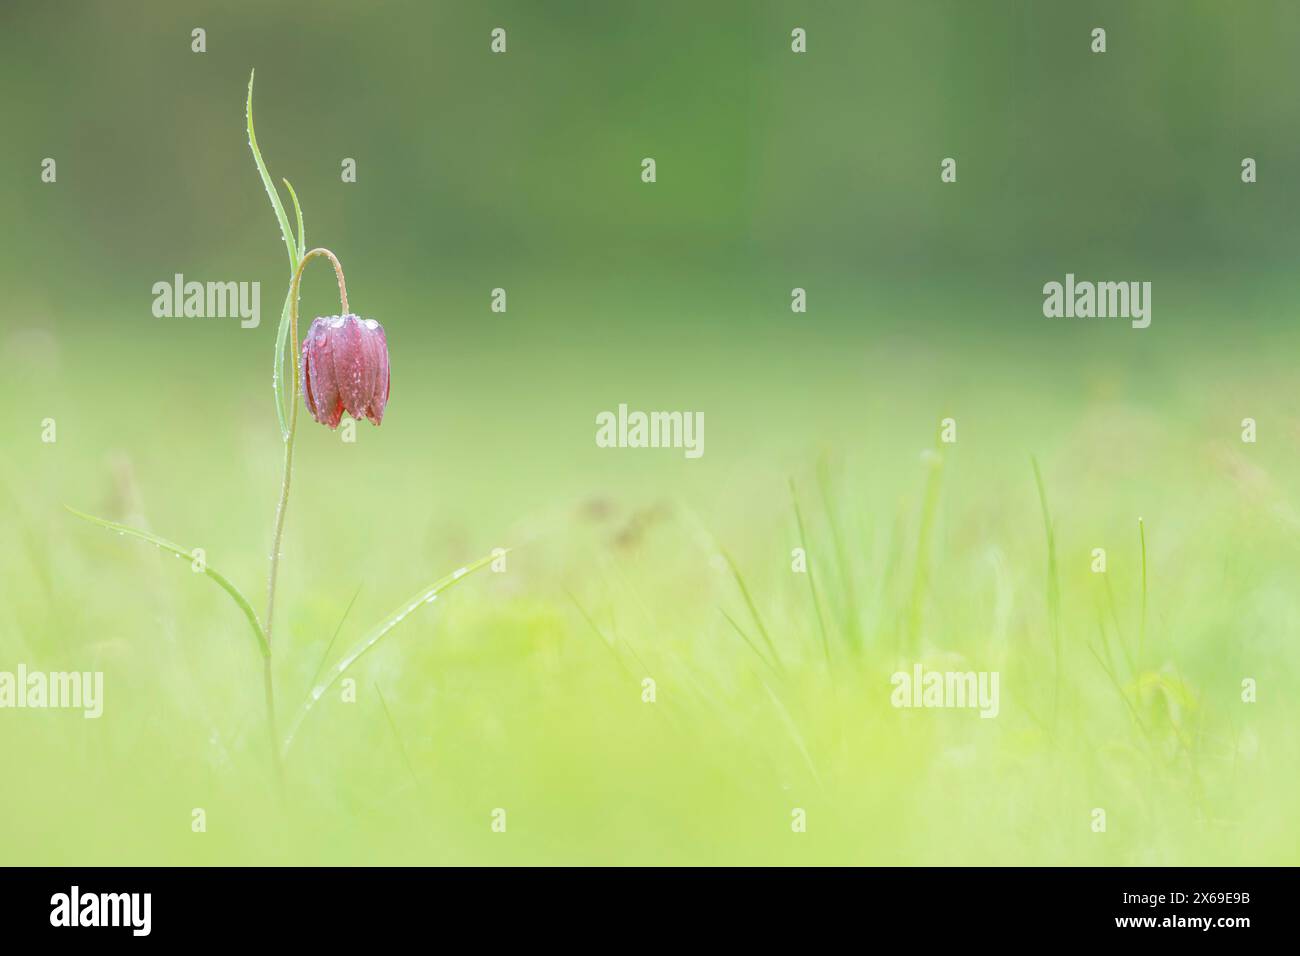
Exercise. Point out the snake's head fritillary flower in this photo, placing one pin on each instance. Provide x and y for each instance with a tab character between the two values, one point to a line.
345	366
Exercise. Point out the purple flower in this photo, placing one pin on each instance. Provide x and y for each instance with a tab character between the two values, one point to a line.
345	366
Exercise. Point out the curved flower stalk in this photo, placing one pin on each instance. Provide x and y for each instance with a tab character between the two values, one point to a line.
343	366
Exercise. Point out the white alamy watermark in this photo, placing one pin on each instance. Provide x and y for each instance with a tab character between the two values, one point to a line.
946	689
626	429
76	908
55	690
208	300
1101	300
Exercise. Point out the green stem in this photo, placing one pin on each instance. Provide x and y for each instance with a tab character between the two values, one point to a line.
278	537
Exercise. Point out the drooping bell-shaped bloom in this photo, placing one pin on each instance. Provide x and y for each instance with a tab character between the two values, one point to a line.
345	366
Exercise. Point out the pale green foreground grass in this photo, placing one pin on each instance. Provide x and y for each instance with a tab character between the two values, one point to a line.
523	690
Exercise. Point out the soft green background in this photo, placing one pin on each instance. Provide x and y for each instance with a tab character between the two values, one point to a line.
523	690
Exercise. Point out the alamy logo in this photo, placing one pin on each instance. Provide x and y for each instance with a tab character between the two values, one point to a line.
1086	300
56	690
651	430
208	300
102	909
946	689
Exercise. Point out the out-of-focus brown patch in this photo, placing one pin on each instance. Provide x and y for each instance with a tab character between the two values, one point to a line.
596	508
635	528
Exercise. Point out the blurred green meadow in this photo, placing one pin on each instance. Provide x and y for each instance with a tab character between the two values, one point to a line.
522	690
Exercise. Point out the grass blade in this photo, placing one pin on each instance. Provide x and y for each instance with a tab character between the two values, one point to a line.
392	725
852	626
793	729
426	596
320	668
1119	632
812	584
1119	689
263	646
600	635
749	603
748	643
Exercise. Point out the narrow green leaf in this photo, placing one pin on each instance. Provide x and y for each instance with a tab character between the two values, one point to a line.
277	373
263	646
295	256
266	181
302	234
427	596
282	333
